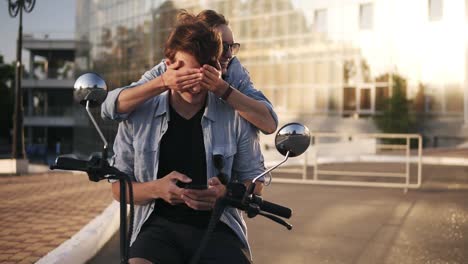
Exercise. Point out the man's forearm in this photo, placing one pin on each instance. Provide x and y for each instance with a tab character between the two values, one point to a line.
129	99
143	192
253	111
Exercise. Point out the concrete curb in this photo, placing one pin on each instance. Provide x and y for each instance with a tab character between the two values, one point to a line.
88	241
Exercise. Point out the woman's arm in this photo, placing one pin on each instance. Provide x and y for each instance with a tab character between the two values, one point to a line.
122	101
129	99
252	110
173	79
109	109
249	107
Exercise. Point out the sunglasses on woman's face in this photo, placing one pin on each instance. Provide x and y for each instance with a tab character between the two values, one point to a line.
234	47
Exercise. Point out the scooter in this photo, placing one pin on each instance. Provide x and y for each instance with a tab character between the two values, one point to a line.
292	140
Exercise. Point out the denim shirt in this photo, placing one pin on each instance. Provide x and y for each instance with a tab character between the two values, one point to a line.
237	76
225	132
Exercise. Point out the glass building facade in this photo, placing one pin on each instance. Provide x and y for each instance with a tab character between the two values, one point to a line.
327	59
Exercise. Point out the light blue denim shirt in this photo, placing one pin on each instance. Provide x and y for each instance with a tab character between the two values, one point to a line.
225	132
237	76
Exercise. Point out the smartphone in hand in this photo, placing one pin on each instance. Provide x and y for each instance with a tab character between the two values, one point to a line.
197	185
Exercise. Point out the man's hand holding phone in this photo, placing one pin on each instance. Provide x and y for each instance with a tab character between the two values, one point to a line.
168	190
204	199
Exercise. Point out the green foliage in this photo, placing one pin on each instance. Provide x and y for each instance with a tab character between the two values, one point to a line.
396	116
7	77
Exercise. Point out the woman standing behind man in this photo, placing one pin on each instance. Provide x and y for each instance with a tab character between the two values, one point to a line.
231	82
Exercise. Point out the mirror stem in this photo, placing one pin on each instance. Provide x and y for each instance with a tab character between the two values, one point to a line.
272	168
98	130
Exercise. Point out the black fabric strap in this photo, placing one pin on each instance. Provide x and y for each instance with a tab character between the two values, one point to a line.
227	93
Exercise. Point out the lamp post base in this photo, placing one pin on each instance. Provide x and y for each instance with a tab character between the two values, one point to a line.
14	166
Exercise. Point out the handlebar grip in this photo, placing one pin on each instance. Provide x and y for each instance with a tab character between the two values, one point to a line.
66	163
275	209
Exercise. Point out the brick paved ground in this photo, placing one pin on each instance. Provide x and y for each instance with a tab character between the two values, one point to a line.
40	211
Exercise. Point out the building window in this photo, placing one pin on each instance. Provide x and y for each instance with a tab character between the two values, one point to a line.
366	16
365	99
349	99
320	20
435	10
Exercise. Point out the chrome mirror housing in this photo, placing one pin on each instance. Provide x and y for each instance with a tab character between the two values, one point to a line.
90	89
293	138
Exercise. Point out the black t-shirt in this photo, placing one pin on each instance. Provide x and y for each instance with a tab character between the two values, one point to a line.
182	149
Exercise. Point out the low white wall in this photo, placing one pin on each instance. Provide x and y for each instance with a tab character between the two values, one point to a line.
13	166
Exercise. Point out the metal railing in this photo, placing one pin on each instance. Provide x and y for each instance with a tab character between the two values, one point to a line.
49	111
384	148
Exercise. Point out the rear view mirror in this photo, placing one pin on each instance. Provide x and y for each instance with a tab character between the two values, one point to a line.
90	90
293	138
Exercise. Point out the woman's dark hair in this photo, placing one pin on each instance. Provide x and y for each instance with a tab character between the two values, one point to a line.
212	18
195	37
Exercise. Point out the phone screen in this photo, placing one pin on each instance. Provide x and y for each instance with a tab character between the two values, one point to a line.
198	185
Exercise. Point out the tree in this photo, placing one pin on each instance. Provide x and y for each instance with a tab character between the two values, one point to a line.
396	116
7	77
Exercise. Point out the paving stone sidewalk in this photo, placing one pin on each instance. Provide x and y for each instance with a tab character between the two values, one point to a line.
41	211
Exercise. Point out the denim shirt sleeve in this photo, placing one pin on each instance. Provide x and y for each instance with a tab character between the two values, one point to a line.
239	78
248	161
109	107
123	158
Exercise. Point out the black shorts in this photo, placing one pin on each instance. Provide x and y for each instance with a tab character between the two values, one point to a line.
163	242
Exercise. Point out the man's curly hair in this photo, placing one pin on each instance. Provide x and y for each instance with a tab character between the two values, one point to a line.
195	37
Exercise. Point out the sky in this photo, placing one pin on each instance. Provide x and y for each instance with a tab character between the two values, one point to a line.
53	17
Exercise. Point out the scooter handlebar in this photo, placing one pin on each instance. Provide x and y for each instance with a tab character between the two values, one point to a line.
275	209
67	163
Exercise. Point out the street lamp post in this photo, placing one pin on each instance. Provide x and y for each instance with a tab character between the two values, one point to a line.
15	7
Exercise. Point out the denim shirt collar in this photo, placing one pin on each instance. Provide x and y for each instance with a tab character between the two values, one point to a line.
163	108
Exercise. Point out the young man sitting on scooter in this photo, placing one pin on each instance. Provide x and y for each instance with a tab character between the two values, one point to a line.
171	140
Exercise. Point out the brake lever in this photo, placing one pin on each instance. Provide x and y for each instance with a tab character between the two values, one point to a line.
253	210
276	219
